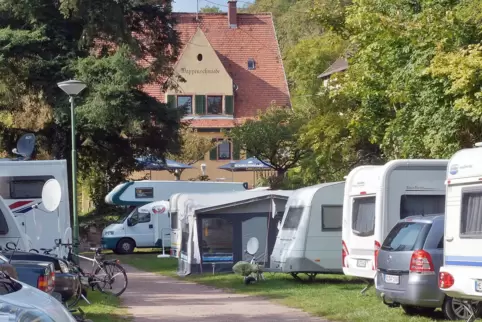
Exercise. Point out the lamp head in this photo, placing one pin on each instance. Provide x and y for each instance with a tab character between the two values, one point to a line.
72	87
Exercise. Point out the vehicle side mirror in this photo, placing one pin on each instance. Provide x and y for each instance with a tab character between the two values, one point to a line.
131	222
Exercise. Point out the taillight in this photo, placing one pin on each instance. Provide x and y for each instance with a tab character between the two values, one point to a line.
421	263
46	283
377	249
344	253
445	280
51	282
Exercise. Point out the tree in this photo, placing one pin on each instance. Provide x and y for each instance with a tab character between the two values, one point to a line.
212	9
106	44
272	137
193	148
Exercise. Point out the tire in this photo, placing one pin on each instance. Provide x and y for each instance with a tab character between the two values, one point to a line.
109	267
125	246
417	310
249	279
74	300
449	309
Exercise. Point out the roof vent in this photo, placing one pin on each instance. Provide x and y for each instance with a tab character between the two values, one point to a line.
478	145
251	64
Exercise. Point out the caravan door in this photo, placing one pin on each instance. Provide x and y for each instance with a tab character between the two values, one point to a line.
140	227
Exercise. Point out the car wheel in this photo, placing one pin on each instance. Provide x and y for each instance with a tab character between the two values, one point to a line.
417	310
125	246
454	310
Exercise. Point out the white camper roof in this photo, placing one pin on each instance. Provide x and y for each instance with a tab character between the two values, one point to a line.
365	178
190	204
304	196
466	163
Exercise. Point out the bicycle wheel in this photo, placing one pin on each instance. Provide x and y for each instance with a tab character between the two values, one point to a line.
111	274
74	300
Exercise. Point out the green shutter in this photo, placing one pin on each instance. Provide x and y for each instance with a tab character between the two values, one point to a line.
236	150
228	105
171	101
201	104
213	154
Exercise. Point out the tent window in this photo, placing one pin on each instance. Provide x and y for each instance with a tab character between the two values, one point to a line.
416	205
331	218
471	217
184	237
217	240
174	220
3	224
293	217
363	217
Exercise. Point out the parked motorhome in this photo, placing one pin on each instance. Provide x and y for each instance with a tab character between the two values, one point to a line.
382	196
11	231
461	274
215	228
146	227
21	184
138	193
309	239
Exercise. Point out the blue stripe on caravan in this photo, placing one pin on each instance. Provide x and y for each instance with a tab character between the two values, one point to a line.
475	261
24	210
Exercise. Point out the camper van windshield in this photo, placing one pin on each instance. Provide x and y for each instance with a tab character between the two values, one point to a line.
293	217
126	214
363	219
416	205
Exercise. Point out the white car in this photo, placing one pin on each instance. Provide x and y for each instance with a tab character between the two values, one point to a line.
23	303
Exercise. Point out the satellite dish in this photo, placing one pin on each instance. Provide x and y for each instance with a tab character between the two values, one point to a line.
252	246
51	195
26	145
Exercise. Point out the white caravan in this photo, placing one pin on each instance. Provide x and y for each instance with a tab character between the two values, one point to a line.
461	274
12	235
377	197
21	184
122	238
310	234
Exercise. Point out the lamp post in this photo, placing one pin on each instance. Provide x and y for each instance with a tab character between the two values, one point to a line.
73	88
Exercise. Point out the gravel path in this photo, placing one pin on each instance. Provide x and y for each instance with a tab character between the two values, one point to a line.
151	297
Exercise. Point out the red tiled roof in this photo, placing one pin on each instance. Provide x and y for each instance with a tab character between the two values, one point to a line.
254	38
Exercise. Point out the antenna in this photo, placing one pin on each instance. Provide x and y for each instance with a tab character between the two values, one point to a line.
25	146
197	10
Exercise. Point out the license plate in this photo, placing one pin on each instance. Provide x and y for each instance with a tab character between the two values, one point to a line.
392	279
478	286
361	263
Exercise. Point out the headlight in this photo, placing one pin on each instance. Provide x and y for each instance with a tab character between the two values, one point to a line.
22	314
109	233
63	267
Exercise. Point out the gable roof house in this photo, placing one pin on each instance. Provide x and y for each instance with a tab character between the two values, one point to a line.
232	67
339	66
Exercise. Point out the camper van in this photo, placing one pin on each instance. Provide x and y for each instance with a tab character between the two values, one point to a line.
21	184
12	235
139	193
147	227
376	198
461	274
309	237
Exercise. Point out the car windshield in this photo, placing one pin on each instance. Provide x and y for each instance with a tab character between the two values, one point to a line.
406	236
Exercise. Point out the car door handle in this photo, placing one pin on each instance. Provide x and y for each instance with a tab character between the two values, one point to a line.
449	239
151	226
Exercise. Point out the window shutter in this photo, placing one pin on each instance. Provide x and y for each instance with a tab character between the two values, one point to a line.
201	104
213	154
171	101
228	105
236	151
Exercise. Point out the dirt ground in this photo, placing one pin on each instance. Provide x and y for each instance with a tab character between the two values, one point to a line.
151	297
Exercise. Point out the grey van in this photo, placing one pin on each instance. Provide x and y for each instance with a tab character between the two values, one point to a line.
408	266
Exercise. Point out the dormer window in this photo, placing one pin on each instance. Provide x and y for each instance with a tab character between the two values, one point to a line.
251	64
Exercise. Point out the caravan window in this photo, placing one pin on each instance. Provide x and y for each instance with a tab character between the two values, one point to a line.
217	240
331	218
3	224
416	205
25	187
293	217
184	236
363	219
471	218
174	224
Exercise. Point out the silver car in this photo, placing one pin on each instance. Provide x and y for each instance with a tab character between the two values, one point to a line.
408	265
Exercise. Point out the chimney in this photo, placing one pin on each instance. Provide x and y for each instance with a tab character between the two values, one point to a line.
232	14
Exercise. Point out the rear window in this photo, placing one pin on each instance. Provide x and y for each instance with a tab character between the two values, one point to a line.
293	217
363	218
406	236
471	218
419	205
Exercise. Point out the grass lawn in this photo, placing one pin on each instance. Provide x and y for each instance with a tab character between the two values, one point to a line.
334	297
104	308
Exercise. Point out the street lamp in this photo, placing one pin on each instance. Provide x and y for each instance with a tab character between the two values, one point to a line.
73	88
